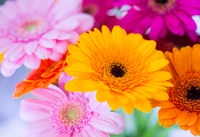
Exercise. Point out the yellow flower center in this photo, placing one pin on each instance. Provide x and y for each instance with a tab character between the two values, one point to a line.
186	92
71	114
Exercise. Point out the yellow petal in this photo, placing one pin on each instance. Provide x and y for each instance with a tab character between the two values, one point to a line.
114	104
79	67
77	53
100	96
82	85
128	109
160	95
160	76
157	64
143	105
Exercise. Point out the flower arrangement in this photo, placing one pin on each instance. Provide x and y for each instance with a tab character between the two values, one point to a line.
96	63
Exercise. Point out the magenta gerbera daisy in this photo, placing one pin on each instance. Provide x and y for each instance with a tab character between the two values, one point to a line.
33	30
157	17
57	113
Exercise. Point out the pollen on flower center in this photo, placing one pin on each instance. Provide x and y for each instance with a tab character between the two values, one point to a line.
71	114
186	92
161	6
193	93
117	70
28	28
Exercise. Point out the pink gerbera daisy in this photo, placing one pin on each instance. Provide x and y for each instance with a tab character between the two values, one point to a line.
157	17
58	113
33	30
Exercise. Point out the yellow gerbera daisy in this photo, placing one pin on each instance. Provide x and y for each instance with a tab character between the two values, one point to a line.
123	68
183	105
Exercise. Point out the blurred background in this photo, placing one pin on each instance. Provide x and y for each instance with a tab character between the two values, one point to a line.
137	125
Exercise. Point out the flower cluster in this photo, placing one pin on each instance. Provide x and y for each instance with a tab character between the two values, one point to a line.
89	58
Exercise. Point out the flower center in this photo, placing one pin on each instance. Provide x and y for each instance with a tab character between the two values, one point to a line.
27	29
70	115
161	1
91	9
161	6
193	93
185	94
117	70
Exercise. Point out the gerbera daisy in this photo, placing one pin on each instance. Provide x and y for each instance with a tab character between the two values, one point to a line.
48	72
123	68
183	107
60	114
100	9
33	30
161	16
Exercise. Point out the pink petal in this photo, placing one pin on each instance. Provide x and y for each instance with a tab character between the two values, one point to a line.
17	54
53	34
64	135
67	25
34	129
8	64
117	119
187	20
156	27
11	49
47	43
174	24
42	52
61	47
5	44
9	10
7	72
86	22
74	37
104	124
31	61
59	9
34	110
64	36
63	79
96	133
30	47
55	56
51	94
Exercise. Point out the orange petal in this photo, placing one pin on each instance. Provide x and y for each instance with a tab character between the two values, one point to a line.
184	127
168	123
168	113
186	120
182	116
193	119
166	104
114	104
194	130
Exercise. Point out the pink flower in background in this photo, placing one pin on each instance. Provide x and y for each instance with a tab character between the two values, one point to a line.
58	113
99	9
33	30
160	16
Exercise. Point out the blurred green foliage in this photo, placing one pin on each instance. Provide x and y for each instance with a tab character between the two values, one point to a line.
143	125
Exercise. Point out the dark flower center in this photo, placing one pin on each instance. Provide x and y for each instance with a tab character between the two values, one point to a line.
161	1
193	93
117	70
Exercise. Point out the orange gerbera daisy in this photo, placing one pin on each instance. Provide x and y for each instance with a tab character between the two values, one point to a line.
47	73
123	68
183	105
